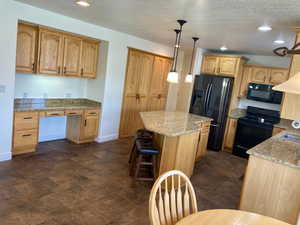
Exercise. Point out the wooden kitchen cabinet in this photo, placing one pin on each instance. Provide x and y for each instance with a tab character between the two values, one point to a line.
278	76
223	65
159	85
230	134
245	81
259	75
83	129
72	56
203	140
26	48
89	59
50	52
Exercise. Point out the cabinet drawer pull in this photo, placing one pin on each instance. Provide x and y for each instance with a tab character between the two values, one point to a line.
72	113
26	135
54	114
92	113
27	118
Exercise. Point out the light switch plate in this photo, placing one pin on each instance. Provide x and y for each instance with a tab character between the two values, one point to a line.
2	88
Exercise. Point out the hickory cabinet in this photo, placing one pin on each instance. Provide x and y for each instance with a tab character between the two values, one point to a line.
26	48
220	65
145	88
230	134
203	140
263	75
48	51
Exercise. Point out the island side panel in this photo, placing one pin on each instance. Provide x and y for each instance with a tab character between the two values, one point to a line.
271	189
178	153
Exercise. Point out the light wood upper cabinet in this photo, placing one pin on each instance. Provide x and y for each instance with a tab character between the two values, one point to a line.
245	81
50	52
72	56
26	48
278	76
209	64
224	65
89	59
227	66
259	75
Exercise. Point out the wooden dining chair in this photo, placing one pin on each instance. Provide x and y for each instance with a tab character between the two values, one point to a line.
172	198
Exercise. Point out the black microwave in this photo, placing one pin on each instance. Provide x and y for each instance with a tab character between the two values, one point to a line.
263	93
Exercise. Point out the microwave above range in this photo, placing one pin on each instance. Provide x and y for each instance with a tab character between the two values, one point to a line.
263	93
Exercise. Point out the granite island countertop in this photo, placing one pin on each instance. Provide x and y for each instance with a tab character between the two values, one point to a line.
172	123
40	104
279	150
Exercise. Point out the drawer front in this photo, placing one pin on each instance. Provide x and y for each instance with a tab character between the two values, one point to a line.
25	138
26	121
71	112
205	127
92	112
55	113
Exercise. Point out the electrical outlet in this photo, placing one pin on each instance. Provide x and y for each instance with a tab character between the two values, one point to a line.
2	88
25	95
68	95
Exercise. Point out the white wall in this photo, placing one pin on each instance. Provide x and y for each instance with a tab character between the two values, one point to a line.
11	11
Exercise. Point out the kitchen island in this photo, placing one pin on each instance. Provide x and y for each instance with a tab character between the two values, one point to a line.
182	138
272	181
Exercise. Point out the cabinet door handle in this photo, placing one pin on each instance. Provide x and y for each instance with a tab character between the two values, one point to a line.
85	123
26	135
54	114
92	113
65	70
81	71
33	66
71	113
27	118
58	69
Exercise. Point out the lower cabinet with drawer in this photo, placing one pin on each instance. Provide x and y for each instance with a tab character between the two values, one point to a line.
83	129
25	132
203	139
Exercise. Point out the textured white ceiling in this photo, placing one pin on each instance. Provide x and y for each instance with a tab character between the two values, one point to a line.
217	22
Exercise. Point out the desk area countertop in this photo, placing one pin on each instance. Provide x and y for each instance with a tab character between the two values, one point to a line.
40	104
172	123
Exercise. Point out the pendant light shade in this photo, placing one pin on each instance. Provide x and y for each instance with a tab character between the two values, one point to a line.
173	74
189	76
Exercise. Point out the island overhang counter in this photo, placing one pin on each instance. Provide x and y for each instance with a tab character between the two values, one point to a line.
181	137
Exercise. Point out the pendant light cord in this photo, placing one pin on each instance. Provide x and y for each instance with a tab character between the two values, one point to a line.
175	51
193	53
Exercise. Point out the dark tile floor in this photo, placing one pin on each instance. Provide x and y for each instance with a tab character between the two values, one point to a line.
68	184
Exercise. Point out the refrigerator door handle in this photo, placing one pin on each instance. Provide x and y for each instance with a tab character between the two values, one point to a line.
208	96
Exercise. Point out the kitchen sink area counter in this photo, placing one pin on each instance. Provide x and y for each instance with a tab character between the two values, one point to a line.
172	123
181	138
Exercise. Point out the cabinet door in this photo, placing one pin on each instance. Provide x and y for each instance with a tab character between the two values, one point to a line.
51	52
26	48
203	140
245	81
227	66
209	65
278	76
230	133
259	74
90	127
136	91
89	59
72	56
159	85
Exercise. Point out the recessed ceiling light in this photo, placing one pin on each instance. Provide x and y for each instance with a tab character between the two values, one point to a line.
264	28
223	48
83	3
279	41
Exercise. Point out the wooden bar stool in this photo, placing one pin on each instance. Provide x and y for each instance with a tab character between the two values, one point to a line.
144	149
140	134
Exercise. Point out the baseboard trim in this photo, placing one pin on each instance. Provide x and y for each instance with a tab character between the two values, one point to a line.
51	137
5	156
107	138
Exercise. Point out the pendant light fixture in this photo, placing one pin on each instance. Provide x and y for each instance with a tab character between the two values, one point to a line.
189	76
173	74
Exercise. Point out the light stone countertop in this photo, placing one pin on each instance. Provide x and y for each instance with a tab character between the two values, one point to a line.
278	150
237	113
172	123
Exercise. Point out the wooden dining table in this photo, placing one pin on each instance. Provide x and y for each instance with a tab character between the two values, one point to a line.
228	217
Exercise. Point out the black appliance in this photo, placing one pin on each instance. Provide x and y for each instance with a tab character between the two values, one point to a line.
263	93
254	128
211	98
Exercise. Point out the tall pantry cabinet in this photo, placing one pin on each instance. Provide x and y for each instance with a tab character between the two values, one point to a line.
145	88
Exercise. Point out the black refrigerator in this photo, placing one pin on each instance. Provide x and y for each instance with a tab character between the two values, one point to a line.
211	98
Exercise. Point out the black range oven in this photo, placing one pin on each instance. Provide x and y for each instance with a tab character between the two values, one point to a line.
263	93
254	128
